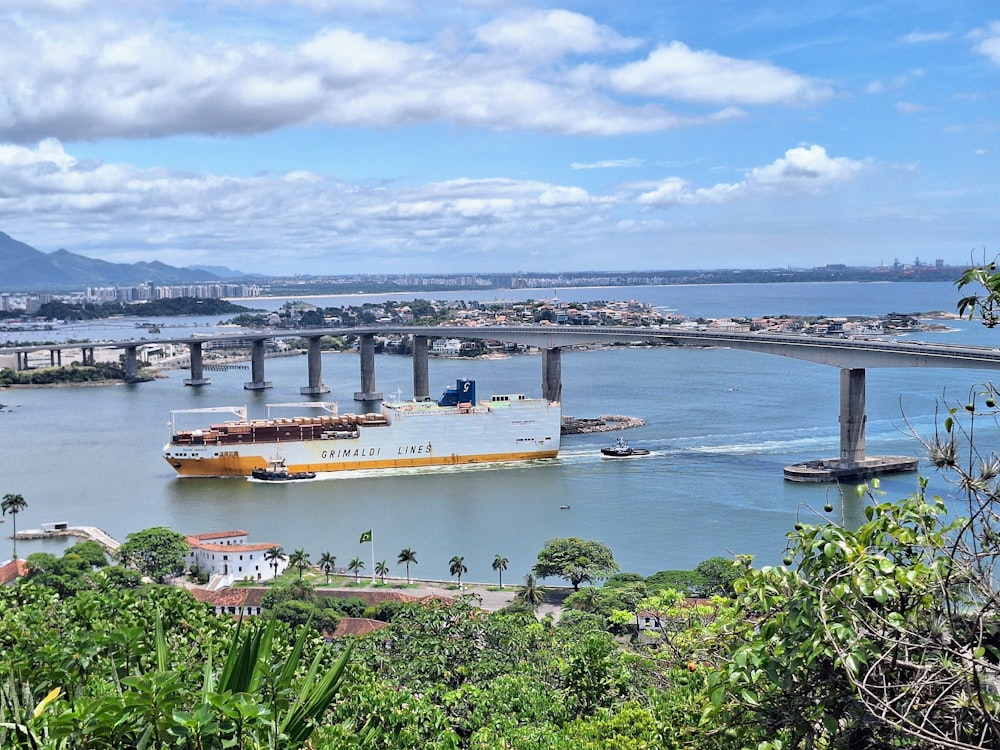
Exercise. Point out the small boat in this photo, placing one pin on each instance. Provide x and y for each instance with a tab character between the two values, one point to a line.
276	471
621	449
563	507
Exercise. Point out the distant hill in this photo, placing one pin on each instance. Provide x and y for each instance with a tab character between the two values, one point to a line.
224	272
23	268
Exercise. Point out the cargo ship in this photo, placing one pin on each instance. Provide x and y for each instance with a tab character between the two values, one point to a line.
454	430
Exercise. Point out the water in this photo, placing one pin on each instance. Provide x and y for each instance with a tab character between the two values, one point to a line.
721	424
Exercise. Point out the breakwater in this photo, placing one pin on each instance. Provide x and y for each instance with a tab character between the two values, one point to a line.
606	423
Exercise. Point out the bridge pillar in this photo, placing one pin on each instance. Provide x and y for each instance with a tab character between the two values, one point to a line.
552	374
421	381
22	360
852	416
87	356
852	464
131	364
315	366
368	397
197	366
55	357
257	382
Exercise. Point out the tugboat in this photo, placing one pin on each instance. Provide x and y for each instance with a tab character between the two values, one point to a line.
621	449
276	471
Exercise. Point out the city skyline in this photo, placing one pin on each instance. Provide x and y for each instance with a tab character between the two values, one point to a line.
339	136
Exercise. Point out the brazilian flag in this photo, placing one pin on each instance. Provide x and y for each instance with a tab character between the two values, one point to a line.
366	537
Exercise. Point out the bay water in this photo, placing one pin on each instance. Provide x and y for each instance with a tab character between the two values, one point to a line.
721	425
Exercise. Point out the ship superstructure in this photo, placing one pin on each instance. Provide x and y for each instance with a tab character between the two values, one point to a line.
456	429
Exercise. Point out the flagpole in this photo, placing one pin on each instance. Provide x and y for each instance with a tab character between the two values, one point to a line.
373	556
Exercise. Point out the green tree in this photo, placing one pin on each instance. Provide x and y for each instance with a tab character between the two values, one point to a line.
356	565
456	566
577	560
984	304
327	563
720	574
274	556
407	556
157	552
13	503
381	570
299	559
500	565
91	552
530	594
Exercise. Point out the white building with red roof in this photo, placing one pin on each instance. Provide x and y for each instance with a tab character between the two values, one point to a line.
228	554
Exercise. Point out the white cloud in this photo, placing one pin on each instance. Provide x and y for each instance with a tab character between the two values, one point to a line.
191	218
551	34
608	164
151	78
802	170
677	72
911	108
805	169
988	41
922	37
896	82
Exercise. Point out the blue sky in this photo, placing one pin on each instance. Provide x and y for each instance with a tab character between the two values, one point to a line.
394	136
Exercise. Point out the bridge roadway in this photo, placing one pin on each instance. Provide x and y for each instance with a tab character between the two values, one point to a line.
852	355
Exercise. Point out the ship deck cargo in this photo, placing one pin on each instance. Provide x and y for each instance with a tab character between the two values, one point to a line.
454	430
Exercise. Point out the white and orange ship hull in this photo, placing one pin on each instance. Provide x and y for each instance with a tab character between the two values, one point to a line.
401	435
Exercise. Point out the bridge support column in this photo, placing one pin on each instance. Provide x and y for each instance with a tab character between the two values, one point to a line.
552	374
315	366
852	417
852	464
368	397
257	382
421	381
131	364
197	366
87	356
55	357
22	360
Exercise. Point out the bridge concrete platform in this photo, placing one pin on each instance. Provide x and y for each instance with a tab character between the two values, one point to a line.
833	470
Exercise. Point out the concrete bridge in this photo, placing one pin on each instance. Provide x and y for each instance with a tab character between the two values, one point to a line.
852	355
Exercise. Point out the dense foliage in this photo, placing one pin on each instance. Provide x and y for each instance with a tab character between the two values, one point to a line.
158	552
74	374
577	560
56	310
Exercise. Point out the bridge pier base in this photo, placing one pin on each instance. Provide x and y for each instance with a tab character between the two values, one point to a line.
131	364
197	366
315	366
257	382
853	464
552	374
421	380
368	397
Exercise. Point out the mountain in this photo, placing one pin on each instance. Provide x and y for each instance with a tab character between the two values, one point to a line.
23	268
225	273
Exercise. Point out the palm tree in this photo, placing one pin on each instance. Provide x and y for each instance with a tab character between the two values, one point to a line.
530	594
500	565
356	566
274	556
407	556
299	559
13	504
382	570
456	566
327	564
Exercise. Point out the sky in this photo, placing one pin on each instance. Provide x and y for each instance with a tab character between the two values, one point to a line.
327	137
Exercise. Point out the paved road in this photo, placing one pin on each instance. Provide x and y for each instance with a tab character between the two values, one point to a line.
492	598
